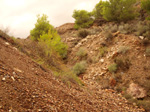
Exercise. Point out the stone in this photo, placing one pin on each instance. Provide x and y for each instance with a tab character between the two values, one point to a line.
141	37
3	79
16	69
15	48
136	91
102	60
10	110
7	43
12	78
14	73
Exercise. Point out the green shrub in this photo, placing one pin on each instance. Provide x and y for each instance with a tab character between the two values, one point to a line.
83	33
83	19
42	26
82	53
52	43
112	68
123	49
80	67
119	10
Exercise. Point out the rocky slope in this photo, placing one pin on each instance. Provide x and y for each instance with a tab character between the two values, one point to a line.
26	86
128	51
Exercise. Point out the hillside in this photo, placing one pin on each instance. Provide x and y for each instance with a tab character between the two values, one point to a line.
121	63
26	86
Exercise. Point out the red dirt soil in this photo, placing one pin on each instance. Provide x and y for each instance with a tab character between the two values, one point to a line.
26	86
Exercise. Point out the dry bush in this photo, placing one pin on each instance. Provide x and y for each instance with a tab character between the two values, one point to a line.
141	29
123	64
102	51
80	67
114	28
123	49
108	36
113	68
94	31
83	33
82	53
125	28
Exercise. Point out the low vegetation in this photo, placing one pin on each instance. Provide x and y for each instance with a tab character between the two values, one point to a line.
83	33
102	51
123	63
82	53
112	68
108	36
80	67
123	49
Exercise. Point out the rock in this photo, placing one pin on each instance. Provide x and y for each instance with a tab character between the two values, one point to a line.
14	73
136	91
16	69
12	78
102	60
141	37
7	43
10	110
15	48
3	79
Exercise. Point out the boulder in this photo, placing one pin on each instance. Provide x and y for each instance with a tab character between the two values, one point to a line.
136	91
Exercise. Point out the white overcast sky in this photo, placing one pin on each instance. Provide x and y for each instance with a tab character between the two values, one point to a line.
20	15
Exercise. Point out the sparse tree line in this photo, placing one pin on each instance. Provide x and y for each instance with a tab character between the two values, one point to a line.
111	10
